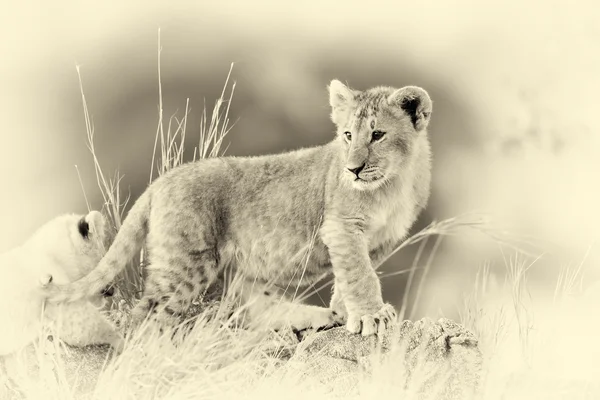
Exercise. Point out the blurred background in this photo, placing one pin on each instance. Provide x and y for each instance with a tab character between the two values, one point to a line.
514	86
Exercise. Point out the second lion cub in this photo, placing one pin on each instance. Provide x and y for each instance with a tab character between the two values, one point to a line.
347	203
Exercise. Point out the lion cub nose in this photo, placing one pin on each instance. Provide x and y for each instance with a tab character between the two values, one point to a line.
357	170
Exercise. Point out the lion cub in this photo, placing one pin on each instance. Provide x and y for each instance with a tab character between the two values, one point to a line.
284	219
62	250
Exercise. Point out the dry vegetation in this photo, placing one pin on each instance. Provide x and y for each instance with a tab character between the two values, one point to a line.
218	362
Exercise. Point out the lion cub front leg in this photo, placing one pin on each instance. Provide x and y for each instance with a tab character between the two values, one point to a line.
337	303
356	283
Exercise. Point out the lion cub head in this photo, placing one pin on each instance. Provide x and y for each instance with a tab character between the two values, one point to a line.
69	246
378	128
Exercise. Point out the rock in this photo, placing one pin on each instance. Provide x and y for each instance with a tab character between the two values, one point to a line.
430	357
281	345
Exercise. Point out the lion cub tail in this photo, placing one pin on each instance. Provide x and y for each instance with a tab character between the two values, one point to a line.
128	241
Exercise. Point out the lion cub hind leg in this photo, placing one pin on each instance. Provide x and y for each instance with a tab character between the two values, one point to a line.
302	317
267	309
298	317
181	270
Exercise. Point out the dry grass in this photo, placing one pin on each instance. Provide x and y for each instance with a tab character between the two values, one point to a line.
519	343
169	142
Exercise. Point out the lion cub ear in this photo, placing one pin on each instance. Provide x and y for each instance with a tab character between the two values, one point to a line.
415	102
339	94
341	99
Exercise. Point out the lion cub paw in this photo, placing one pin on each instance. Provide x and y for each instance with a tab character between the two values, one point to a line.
370	324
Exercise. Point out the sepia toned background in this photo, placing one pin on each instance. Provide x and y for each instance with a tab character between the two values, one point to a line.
514	86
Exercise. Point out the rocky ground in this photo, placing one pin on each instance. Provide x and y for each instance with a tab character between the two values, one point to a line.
431	357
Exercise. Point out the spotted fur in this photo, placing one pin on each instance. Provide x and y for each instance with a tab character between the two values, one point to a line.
61	251
285	218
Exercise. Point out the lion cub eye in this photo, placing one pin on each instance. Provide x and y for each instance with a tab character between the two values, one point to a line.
348	135
377	135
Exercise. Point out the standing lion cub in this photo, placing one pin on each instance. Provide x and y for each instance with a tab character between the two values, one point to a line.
285	218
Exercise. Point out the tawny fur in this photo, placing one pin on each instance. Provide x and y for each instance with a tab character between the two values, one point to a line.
64	249
286	218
